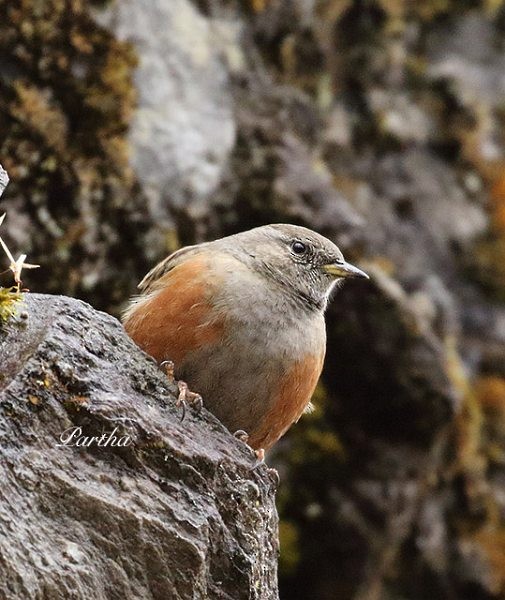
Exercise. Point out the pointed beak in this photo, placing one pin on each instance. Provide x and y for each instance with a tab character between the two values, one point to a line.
344	269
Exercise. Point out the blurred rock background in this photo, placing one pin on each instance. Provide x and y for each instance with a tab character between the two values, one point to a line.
131	127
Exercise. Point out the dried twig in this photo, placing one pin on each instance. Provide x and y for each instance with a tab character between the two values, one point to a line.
16	266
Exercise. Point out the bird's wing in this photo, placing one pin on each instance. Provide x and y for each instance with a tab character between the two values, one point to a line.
175	316
148	284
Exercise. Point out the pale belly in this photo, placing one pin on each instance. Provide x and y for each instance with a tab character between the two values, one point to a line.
252	371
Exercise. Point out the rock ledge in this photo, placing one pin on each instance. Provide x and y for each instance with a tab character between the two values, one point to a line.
181	512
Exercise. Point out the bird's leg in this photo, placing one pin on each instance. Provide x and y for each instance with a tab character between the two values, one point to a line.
241	435
186	396
272	473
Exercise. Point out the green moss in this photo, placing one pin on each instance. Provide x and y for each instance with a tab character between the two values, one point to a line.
490	394
9	301
486	265
289	543
65	110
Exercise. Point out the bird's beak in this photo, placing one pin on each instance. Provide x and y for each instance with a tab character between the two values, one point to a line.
344	269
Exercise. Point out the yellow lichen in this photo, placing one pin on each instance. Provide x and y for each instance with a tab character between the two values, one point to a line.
486	262
259	5
9	301
318	444
488	265
32	107
490	392
469	420
493	6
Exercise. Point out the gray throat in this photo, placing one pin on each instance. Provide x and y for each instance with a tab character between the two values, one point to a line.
299	298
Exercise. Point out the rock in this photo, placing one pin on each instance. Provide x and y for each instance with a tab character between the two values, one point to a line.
468	53
418	211
72	197
4	179
183	129
181	511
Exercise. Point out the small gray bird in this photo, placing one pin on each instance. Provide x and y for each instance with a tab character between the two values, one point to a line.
242	318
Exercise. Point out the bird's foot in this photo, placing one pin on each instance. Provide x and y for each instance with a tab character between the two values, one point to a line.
274	476
186	396
168	367
272	473
260	455
241	435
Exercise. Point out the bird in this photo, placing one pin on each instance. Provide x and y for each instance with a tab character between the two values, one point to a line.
241	318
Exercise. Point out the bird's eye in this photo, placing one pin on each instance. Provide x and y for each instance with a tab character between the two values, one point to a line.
298	247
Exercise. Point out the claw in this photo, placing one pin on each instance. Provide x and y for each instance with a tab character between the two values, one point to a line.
181	399
241	435
168	367
274	476
186	396
197	402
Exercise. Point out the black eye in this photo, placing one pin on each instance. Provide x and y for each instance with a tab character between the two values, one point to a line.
298	247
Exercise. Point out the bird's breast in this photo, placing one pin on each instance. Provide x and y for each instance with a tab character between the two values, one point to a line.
261	375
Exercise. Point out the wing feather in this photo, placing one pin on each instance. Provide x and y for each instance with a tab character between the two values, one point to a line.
148	284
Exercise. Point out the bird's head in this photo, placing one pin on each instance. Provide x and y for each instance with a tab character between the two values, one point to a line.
299	259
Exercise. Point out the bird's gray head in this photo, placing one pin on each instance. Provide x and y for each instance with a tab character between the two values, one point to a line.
303	262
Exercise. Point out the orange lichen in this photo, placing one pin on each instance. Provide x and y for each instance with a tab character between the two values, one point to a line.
492	542
497	196
490	392
259	5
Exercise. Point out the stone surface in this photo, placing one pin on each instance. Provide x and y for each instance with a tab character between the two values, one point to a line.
181	512
183	129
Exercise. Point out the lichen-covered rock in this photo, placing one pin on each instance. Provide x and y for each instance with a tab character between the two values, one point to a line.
182	511
178	154
66	99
